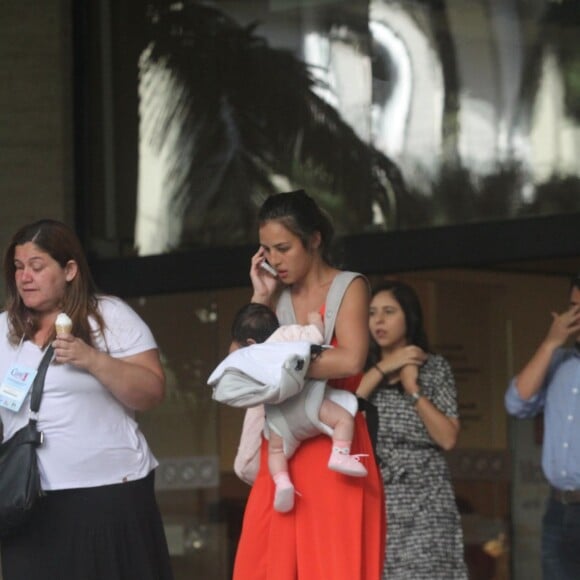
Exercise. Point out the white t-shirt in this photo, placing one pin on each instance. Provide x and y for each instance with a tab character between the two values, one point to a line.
90	437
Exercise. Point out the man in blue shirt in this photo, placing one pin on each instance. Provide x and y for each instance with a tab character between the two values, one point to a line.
550	382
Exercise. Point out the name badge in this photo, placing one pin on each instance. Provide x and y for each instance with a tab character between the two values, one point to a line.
15	386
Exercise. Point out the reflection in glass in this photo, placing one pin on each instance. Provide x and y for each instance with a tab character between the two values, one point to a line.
394	115
226	118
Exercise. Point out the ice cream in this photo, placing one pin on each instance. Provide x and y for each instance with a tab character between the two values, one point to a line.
63	324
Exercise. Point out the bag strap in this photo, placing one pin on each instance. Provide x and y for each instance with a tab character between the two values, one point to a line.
38	384
341	282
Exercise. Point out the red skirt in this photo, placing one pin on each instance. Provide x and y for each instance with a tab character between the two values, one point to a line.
336	529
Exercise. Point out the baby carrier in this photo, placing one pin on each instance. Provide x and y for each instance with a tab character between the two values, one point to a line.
266	374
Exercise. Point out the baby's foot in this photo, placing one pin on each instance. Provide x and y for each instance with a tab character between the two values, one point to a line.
284	496
342	462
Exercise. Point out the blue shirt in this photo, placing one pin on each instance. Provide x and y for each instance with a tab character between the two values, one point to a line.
559	397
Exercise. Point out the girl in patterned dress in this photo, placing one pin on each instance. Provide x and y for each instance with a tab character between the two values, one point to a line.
414	391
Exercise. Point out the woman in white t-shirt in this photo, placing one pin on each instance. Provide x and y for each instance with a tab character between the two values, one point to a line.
98	519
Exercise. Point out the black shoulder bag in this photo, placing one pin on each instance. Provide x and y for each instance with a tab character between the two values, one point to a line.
19	475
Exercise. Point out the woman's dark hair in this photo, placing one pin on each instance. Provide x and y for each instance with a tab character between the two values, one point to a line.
80	300
302	216
253	321
575	282
409	302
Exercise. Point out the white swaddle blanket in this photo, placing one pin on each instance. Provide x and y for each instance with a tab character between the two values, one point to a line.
273	373
261	373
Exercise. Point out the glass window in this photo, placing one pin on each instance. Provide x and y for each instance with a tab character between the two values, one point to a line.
394	115
193	438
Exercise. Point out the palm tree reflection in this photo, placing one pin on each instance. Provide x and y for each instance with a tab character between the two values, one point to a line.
225	119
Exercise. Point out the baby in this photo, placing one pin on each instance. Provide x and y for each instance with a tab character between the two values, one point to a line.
256	323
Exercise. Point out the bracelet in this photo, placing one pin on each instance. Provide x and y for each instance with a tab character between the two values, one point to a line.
380	370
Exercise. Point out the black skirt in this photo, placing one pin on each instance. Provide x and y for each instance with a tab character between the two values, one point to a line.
113	532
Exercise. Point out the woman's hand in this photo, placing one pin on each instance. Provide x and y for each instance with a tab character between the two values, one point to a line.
264	284
137	381
69	349
398	359
388	368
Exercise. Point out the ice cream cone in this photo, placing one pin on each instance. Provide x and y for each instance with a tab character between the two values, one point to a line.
63	324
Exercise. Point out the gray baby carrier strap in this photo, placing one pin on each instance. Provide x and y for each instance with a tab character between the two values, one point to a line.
297	418
285	310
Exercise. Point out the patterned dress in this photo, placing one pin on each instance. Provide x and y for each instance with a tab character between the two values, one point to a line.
424	537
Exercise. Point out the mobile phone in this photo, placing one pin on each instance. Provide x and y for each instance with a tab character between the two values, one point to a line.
268	268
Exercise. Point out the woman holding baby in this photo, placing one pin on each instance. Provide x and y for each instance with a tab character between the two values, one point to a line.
336	528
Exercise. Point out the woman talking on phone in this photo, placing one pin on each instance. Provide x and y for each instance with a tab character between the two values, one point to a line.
336	529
